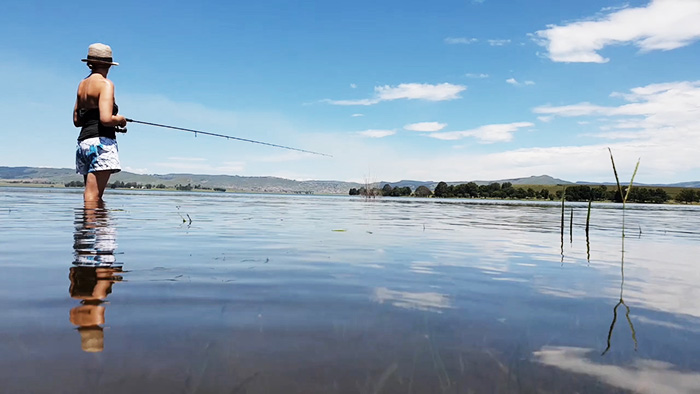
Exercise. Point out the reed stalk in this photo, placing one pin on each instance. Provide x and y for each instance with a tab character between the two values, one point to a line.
571	226
622	260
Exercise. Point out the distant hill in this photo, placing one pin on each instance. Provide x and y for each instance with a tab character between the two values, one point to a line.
531	180
691	185
60	176
695	184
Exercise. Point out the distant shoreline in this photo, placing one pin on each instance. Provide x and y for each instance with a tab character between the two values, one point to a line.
35	185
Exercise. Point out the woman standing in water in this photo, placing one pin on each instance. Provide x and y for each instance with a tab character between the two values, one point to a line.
95	112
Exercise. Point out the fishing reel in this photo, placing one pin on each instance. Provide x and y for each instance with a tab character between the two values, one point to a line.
120	129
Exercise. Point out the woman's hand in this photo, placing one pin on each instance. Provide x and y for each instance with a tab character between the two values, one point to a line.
121	121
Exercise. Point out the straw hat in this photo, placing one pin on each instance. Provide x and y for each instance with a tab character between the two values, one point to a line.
100	53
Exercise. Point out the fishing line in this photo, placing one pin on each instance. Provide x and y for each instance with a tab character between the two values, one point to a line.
228	137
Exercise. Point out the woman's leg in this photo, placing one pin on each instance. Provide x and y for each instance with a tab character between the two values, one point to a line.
95	184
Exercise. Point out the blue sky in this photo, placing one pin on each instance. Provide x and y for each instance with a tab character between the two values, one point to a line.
454	91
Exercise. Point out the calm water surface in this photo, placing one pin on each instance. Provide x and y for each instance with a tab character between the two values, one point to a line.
308	294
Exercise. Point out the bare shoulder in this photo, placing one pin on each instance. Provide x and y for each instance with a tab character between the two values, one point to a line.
107	85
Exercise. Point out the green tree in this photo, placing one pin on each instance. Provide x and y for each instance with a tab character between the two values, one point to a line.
422	191
484	191
473	189
461	190
441	190
386	190
687	196
518	193
74	184
599	193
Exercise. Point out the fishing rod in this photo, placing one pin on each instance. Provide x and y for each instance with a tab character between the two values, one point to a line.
228	137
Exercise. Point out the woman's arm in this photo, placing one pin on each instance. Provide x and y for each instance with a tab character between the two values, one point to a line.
106	103
76	119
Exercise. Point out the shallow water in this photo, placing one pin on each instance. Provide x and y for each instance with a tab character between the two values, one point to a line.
310	294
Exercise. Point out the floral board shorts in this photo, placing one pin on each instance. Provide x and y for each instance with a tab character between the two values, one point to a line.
97	154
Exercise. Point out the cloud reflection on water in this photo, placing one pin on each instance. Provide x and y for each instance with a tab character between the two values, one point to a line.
644	376
428	301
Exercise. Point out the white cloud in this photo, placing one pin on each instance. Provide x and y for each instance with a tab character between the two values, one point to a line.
409	91
460	40
425	126
498	43
136	170
428	92
477	76
661	25
571	110
485	134
353	85
652	109
668	115
353	102
377	133
545	119
198	167
515	82
357	115
189	159
280	157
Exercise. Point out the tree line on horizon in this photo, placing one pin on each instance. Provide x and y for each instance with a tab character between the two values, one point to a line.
506	190
148	186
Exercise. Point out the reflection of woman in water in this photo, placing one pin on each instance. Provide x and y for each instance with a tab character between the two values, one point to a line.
91	285
94	271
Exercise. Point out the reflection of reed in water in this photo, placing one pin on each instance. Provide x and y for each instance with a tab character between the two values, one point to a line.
588	240
621	302
563	198
94	271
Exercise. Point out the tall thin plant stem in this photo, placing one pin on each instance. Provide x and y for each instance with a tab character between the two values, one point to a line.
563	197
622	260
